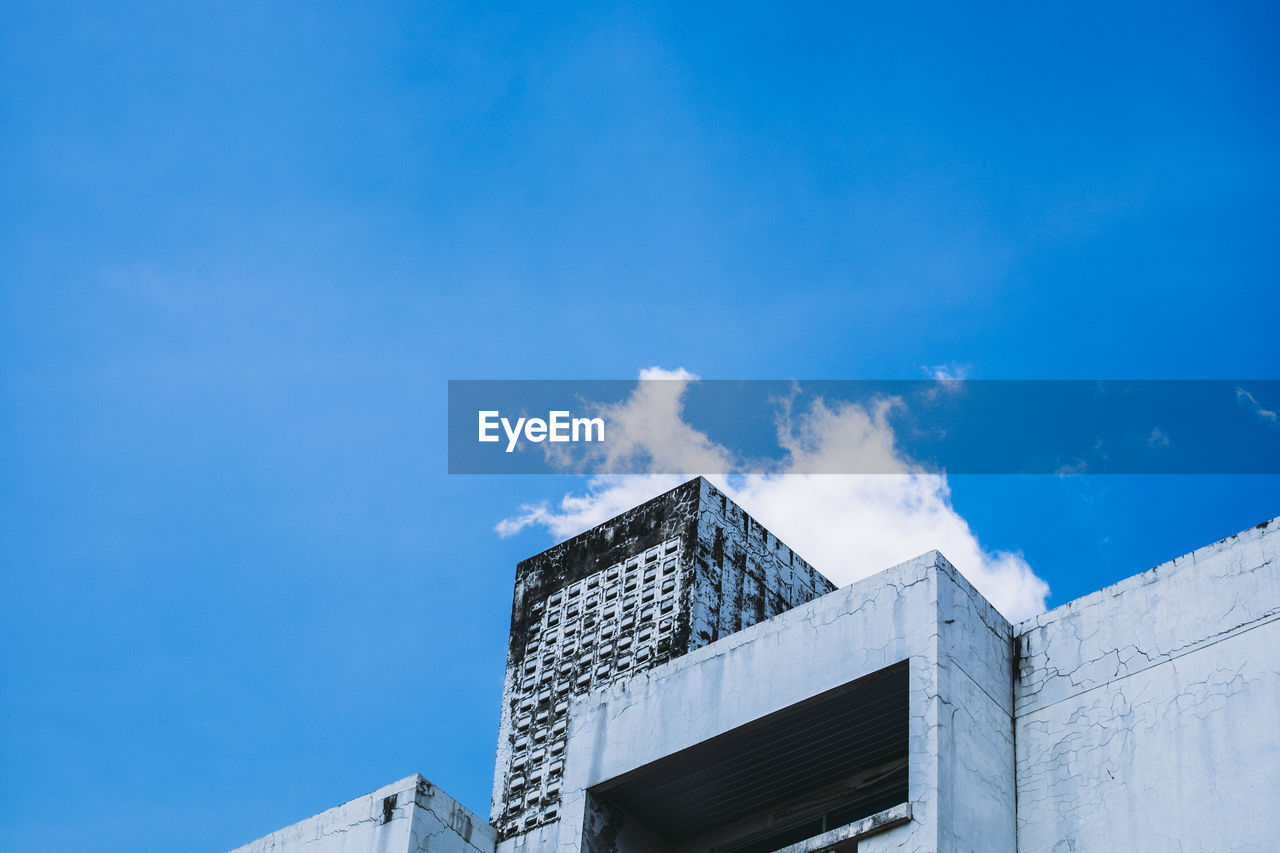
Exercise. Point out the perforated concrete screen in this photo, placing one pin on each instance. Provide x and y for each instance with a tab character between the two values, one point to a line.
592	632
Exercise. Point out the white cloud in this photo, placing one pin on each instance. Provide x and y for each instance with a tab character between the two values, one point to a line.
848	526
851	526
647	431
1072	468
952	371
1265	414
605	497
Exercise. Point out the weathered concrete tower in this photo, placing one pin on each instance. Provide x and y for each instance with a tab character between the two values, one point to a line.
667	577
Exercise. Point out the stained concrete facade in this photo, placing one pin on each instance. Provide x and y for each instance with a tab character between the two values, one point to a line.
664	578
902	712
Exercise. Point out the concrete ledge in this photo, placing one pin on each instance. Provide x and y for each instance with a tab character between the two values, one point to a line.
408	816
879	822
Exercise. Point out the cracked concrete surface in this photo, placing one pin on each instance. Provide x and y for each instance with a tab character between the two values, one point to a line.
408	816
922	611
1148	712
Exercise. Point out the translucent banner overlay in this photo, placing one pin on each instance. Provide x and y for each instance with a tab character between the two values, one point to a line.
692	426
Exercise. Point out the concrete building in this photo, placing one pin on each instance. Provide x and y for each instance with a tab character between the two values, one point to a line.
657	582
902	712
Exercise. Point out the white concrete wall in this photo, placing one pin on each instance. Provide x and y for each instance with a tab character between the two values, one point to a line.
917	611
975	759
1148	714
973	807
423	819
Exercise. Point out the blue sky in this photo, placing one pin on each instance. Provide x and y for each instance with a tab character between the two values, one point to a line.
244	247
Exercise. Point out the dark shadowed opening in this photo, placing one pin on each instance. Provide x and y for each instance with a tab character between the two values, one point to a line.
824	762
